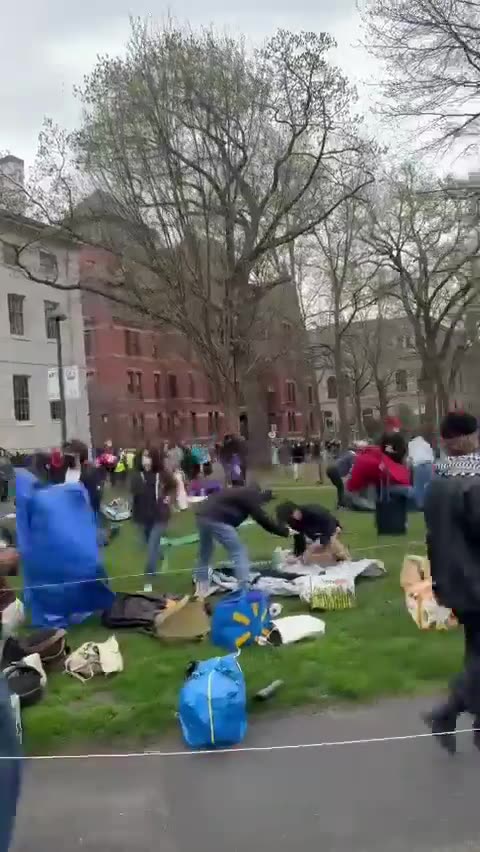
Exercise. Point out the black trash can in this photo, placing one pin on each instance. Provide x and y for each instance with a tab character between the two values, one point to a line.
391	513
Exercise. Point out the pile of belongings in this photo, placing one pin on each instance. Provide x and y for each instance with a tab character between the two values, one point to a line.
27	659
327	588
164	617
117	510
416	582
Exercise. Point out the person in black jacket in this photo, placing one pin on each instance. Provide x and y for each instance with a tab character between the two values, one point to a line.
308	522
452	515
78	468
218	518
153	489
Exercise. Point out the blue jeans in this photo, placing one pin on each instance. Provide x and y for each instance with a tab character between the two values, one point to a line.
422	477
227	536
153	539
9	769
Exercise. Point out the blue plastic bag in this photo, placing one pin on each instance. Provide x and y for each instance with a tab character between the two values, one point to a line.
213	704
240	619
57	540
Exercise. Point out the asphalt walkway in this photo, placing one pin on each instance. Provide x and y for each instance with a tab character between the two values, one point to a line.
385	796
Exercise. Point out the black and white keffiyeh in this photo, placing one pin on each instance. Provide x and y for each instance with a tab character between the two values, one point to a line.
459	466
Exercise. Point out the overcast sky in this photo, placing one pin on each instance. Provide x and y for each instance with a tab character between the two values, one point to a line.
46	46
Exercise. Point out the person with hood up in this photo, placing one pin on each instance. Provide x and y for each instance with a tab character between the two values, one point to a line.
218	519
452	516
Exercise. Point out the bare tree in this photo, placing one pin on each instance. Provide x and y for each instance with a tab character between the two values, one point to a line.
344	290
206	162
425	242
431	49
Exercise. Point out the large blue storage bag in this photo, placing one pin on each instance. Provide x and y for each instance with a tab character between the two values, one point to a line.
212	707
240	619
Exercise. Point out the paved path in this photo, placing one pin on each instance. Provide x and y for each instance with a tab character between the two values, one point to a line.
377	797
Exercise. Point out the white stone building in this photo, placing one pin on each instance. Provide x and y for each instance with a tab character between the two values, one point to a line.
28	420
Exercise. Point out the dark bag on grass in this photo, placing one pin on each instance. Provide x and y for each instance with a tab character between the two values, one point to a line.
134	611
391	513
50	644
25	681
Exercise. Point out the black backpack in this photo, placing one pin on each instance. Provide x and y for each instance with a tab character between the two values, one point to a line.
134	611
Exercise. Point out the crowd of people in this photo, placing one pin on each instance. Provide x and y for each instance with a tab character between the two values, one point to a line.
446	488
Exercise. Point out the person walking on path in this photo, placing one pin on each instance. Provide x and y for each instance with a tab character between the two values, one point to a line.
452	516
218	518
153	490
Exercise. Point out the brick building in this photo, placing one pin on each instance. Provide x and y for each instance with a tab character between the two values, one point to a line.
148	386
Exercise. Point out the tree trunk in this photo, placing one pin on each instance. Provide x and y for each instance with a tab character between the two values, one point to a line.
382	400
259	446
358	413
344	426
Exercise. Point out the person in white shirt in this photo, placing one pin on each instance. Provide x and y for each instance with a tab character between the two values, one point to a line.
422	460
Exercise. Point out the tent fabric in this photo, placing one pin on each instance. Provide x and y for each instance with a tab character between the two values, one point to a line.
57	540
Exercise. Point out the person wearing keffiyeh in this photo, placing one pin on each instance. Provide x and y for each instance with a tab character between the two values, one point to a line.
452	516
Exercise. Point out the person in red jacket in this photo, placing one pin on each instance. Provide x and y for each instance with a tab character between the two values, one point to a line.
382	465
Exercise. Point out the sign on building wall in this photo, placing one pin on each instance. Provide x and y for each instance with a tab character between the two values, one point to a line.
71	383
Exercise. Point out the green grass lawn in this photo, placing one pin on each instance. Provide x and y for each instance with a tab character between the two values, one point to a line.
367	652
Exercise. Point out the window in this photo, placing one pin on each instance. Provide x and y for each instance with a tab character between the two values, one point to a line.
48	264
21	398
15	314
134	422
56	410
328	419
132	342
90	376
10	257
287	328
210	422
216	418
310	395
193	420
312	421
159	422
191	386
154	350
87	342
156	385
141	424
172	386
332	387
401	381
50	322
367	412
291	392
139	384
292	421
130	382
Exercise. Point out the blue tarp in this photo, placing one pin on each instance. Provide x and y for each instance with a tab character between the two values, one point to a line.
57	540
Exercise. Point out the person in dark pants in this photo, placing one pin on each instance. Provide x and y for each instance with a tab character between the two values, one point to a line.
452	515
154	490
10	764
338	471
307	522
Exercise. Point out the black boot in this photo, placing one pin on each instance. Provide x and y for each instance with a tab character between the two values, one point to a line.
442	724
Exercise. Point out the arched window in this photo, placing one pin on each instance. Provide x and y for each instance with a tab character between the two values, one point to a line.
332	387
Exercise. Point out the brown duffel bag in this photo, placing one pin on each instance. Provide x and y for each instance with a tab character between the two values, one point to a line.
50	644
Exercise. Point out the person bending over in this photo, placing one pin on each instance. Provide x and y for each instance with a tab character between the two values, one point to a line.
218	518
452	516
311	523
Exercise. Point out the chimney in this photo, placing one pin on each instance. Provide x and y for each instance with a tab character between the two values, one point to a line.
12	182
